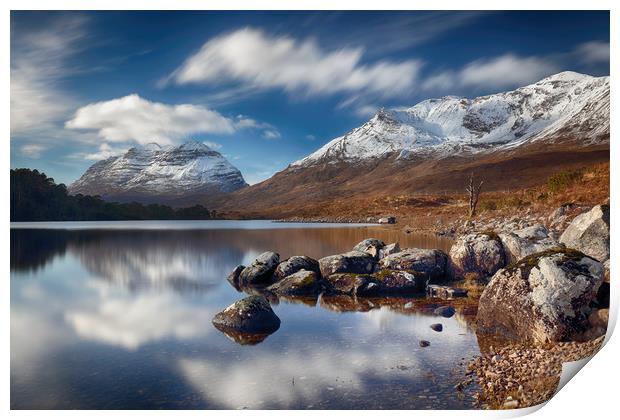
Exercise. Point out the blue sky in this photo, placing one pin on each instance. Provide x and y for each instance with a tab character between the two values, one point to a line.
263	88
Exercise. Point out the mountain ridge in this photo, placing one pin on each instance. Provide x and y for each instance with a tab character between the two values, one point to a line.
153	173
452	124
512	139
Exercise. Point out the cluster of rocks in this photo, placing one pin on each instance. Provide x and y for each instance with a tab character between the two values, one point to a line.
540	289
551	297
370	269
387	220
518	376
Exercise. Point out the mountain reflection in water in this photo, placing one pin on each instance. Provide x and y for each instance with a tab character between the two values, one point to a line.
122	319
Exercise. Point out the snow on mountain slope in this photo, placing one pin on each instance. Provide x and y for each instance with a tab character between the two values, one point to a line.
565	104
189	168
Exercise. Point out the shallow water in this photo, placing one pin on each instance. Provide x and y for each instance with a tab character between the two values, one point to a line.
118	315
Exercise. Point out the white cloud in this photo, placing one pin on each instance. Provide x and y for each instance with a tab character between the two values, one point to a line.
505	71
38	62
32	151
213	145
271	134
593	52
132	118
366	110
251	57
310	137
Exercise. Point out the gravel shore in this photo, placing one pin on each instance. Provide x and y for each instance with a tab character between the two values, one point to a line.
518	375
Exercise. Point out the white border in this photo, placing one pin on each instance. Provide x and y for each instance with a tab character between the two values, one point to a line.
592	395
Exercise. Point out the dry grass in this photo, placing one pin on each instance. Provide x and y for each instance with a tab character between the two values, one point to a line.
583	186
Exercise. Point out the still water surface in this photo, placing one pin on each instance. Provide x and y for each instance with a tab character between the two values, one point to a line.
112	315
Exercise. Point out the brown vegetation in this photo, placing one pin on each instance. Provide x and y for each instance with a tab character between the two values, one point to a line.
585	186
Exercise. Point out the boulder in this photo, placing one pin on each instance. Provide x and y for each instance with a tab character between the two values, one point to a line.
349	284
445	311
478	253
233	277
445	292
599	318
370	246
545	297
352	262
251	315
606	271
521	243
261	270
429	262
294	264
389	250
389	220
393	282
589	233
424	343
301	283
437	327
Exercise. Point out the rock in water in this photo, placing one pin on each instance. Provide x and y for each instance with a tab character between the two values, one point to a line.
589	233
301	283
251	315
349	284
260	271
479	253
394	282
430	262
544	297
351	262
389	250
445	311
370	246
424	343
233	277
437	327
523	242
295	264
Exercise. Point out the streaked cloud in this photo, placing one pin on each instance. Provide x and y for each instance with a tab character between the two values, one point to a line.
500	72
32	151
251	57
593	52
39	61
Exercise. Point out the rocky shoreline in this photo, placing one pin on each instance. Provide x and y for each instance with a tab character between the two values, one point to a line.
545	293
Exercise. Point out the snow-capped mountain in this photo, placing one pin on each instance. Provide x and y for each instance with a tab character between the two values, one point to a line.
156	171
562	105
510	140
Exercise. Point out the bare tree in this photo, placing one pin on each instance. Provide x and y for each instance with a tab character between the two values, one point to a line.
474	193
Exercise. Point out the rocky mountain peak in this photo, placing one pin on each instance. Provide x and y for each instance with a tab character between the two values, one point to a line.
149	172
566	104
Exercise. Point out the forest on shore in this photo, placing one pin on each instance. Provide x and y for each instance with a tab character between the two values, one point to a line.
36	197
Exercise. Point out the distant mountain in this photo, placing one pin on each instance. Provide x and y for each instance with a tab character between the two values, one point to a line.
512	139
565	104
160	174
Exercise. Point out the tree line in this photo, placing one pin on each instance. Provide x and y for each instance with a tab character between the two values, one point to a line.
36	197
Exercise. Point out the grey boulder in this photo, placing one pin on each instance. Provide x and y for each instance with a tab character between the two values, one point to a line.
370	246
301	283
531	240
479	253
589	233
261	270
429	262
295	264
545	297
352	262
251	315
